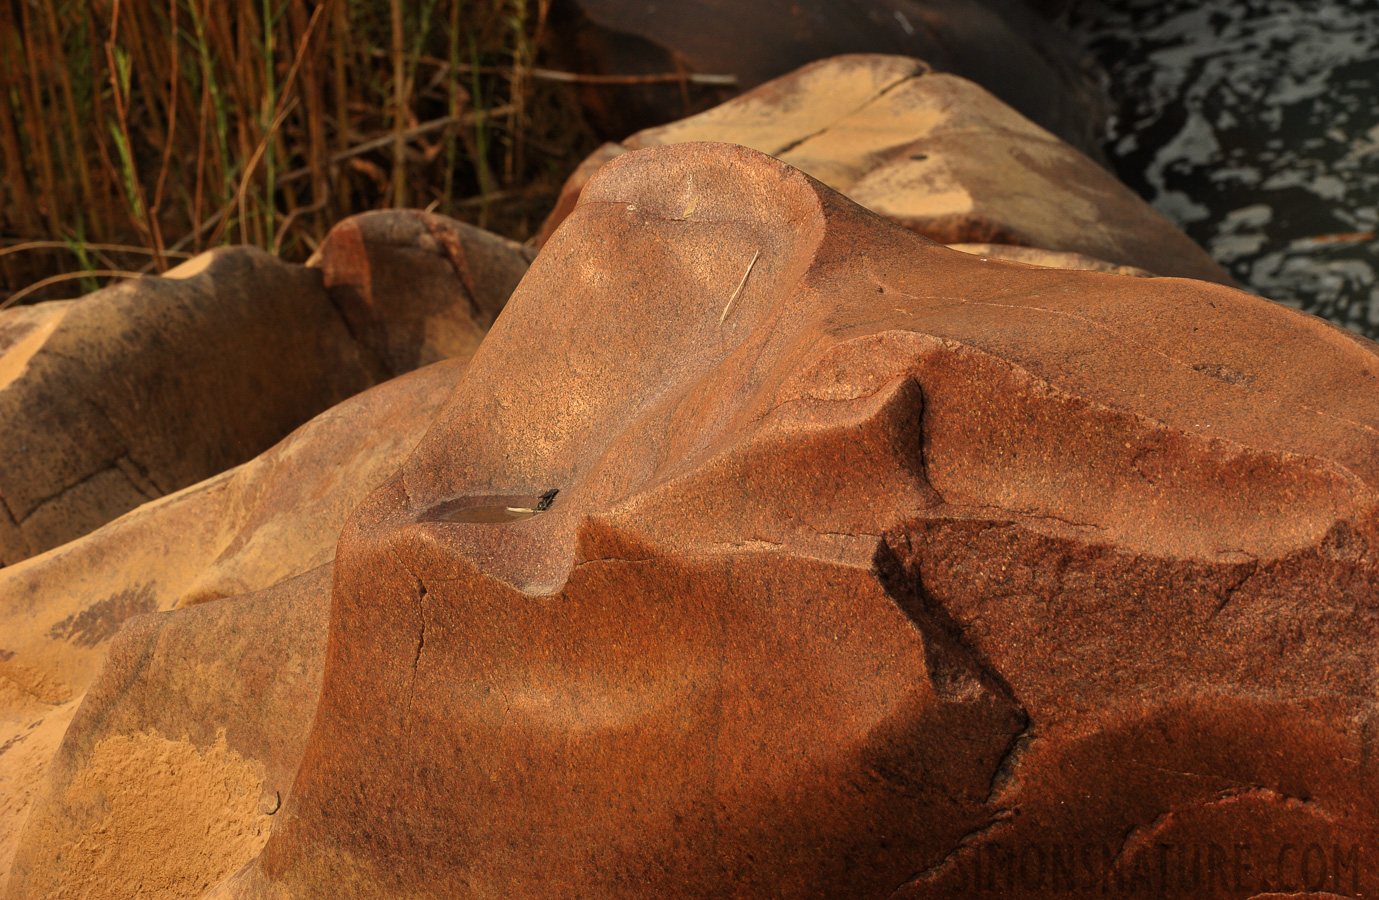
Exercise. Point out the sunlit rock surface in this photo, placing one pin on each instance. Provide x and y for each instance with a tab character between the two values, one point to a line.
937	154
169	775
1006	46
871	561
1050	259
272	519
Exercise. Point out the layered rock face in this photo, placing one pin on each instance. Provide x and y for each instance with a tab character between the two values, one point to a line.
1003	45
155	384
937	154
875	570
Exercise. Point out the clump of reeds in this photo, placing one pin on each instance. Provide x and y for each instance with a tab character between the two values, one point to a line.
134	132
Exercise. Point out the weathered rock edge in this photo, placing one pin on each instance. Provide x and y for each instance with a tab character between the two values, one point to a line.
869	558
869	555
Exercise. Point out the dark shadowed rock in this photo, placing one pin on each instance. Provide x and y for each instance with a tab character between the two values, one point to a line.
1002	45
872	563
151	385
937	154
416	288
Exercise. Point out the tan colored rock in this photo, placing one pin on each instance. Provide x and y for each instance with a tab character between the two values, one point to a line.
1000	44
33	730
264	522
169	776
1049	259
272	518
939	155
268	520
157	383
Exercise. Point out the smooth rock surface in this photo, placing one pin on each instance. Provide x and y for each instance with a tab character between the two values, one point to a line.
155	384
1052	259
272	519
169	775
1002	45
872	562
415	287
937	154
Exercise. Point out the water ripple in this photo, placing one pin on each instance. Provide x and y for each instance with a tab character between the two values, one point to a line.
1254	125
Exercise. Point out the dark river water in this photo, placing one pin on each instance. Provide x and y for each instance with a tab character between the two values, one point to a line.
1254	125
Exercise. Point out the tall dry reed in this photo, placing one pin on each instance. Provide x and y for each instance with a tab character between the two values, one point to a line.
135	132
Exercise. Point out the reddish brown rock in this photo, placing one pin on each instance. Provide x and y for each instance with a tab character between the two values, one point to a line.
1000	44
416	288
876	570
568	198
255	526
939	155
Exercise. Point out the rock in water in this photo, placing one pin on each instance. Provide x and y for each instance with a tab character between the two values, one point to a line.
939	155
876	570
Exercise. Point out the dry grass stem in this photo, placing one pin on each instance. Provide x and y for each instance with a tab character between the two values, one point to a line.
740	285
175	125
65	276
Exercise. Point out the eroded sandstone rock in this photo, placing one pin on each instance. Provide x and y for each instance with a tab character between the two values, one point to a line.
939	155
169	775
272	519
415	287
872	564
152	385
1000	44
